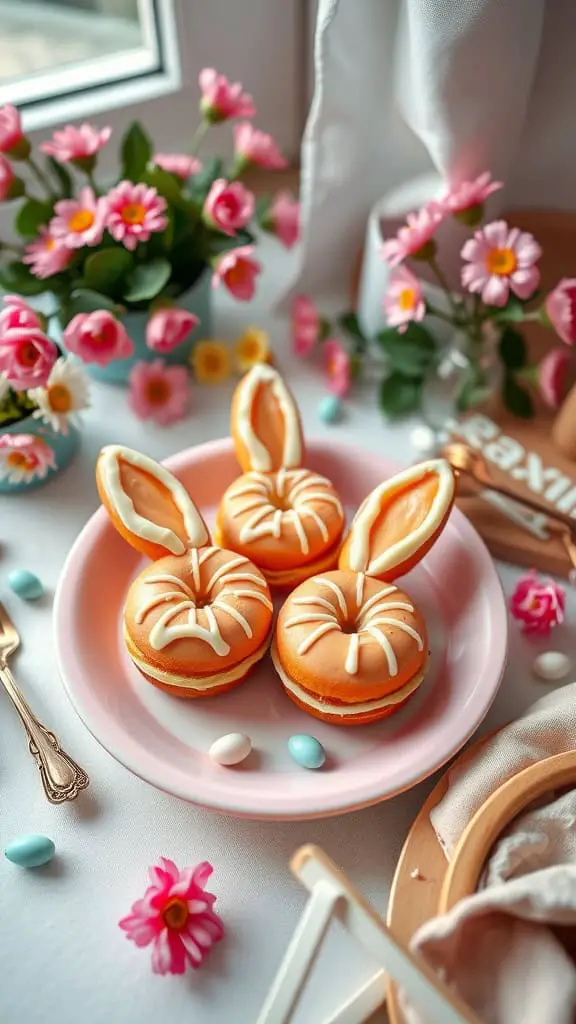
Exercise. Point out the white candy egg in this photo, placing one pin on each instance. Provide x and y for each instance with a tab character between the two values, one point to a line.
551	665
424	440
230	749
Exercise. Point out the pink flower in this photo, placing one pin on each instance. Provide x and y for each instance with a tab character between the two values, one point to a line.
46	255
159	392
256	147
11	134
79	222
415	237
404	300
26	356
6	179
77	144
97	338
24	457
222	99
238	271
284	218
17	313
501	259
167	328
469	195
537	603
552	376
560	306
180	164
338	367
305	325
228	207
134	212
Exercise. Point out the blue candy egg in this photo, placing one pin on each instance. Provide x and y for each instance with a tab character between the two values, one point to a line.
330	409
30	851
25	584
306	751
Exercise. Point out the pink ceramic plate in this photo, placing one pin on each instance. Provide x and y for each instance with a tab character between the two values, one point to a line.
165	740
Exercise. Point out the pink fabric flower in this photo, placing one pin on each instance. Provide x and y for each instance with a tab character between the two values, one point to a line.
180	164
238	271
176	915
6	178
415	237
552	373
24	457
46	255
305	321
256	147
228	207
537	603
284	217
404	300
97	338
134	213
560	306
338	367
469	194
159	392
167	328
11	133
222	99
17	313
501	259
76	143
79	222
26	356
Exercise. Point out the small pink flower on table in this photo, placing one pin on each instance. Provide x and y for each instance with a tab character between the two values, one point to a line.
97	338
46	255
305	324
238	271
404	300
552	373
134	213
255	147
168	327
24	457
415	238
222	99
17	313
560	307
180	164
284	218
228	206
159	392
26	357
500	259
79	222
77	145
11	134
537	603
338	367
466	200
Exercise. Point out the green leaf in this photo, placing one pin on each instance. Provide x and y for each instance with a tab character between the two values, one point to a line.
31	216
512	312
325	329
147	280
349	323
512	349
103	270
262	208
412	353
136	151
16	277
399	395
84	300
516	399
63	177
168	185
201	182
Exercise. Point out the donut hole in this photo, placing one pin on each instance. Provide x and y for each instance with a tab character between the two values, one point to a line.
280	501
201	600
349	628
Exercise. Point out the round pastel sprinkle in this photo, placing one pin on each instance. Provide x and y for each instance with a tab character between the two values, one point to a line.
30	851
551	665
423	439
330	409
306	751
26	584
230	749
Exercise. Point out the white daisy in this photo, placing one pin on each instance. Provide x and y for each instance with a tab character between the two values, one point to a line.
65	394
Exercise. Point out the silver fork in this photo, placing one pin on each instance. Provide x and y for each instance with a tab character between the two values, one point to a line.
61	777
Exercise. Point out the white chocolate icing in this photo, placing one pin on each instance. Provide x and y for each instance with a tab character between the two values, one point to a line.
360	588
315	635
109	470
298	488
260	458
335	590
200	683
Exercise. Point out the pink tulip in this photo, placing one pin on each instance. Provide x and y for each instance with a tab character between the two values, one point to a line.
169	327
501	259
134	213
159	392
466	200
283	218
97	338
415	238
12	140
256	147
538	604
78	145
560	306
404	300
306	325
338	366
26	356
46	255
238	271
180	164
6	179
222	99
17	313
552	373
228	207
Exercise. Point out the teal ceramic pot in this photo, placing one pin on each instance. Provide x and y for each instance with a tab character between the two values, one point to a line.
64	447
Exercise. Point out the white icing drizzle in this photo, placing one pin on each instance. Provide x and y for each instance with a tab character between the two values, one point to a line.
224	569
403	626
330	498
195	568
386	647
336	590
306	511
260	458
230	577
315	600
311	481
300	531
315	635
268	520
375	598
256	595
253	488
351	664
299	620
360	588
162	633
109	470
219	603
168	595
250	506
280	482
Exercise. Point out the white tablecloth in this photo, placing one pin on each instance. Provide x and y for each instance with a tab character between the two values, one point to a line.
62	956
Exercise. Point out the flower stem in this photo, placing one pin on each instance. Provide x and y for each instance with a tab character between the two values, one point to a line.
40	176
92	183
441	278
448	317
198	136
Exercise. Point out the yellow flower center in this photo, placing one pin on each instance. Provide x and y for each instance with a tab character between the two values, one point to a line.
157	391
212	362
81	220
19	461
251	347
50	243
406	298
175	914
501	262
59	398
133	213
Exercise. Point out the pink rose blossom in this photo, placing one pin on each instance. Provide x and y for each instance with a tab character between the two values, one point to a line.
180	164
238	271
338	368
469	194
26	356
305	325
76	143
159	392
501	259
17	313
228	207
6	178
560	306
46	255
256	147
552	373
10	129
404	300
176	915
537	603
415	237
24	457
79	222
284	217
167	328
97	338
134	213
222	99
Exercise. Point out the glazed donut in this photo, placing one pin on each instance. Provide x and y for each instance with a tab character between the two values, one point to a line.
198	619
289	520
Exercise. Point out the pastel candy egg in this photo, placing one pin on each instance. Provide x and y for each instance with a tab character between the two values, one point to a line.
230	749
306	751
26	584
330	409
551	665
30	851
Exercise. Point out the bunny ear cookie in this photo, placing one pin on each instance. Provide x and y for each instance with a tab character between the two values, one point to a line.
265	423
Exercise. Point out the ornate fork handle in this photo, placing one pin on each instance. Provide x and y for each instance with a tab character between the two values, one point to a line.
61	777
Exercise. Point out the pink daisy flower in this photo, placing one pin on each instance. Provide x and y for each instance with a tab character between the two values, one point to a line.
305	322
134	213
415	237
255	147
339	368
24	457
222	99
46	255
79	222
176	916
238	272
469	194
560	306
404	300
552	373
180	164
537	603
159	392
76	143
500	259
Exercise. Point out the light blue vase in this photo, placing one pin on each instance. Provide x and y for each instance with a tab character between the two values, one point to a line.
64	447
